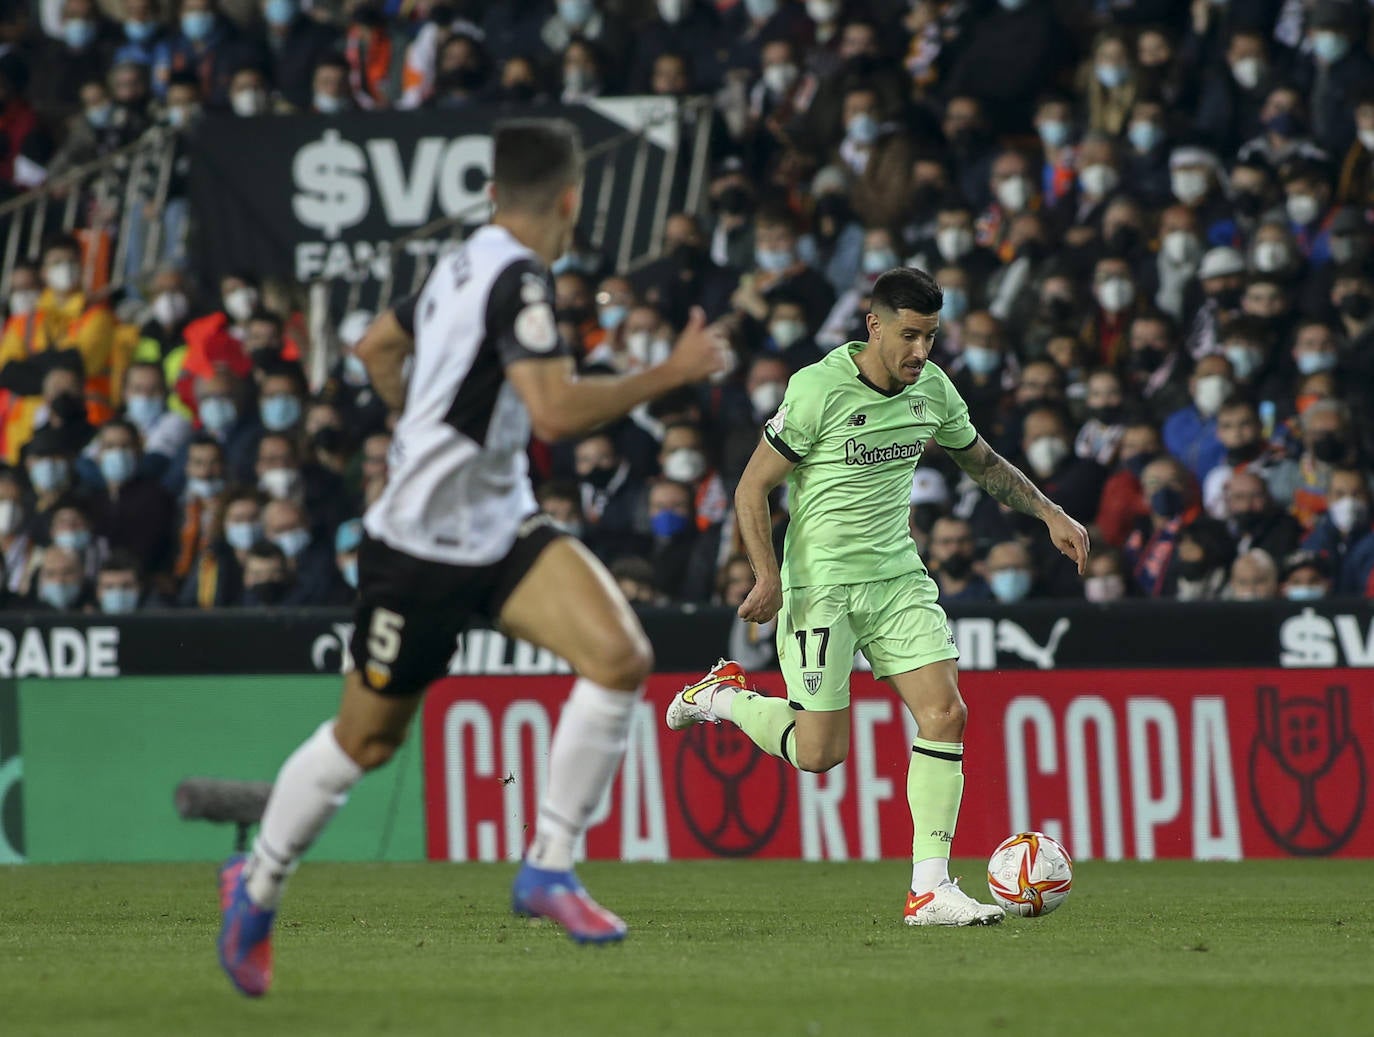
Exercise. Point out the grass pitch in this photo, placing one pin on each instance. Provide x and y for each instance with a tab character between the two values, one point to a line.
716	948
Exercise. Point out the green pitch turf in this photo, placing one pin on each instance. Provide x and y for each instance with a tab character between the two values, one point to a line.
718	948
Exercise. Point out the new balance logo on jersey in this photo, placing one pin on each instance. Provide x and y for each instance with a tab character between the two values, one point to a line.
857	420
861	454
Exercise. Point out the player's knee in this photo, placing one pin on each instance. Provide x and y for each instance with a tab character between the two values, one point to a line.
370	751
622	661
944	721
819	759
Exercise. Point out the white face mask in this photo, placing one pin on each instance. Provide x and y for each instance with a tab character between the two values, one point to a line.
1210	393
684	465
1013	193
1104	588
279	483
170	308
787	333
954	242
1302	209
1188	185
779	78
1181	247
671	11
240	304
248	102
646	350
1115	294
1347	513
1045	453
63	276
822	12
1247	72
1366	138
766	398
1098	180
11	517
23	301
1270	256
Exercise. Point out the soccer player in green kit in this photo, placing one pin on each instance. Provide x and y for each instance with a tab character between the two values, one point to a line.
848	436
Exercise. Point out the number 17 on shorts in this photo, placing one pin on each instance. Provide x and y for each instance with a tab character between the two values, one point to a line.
816	648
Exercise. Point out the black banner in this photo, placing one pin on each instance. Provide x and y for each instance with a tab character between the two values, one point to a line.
1049	635
306	197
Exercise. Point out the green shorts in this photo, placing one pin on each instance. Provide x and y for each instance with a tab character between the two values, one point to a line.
896	623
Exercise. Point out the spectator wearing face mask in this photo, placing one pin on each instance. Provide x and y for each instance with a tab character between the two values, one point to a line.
1205	553
984	371
297	45
1306	577
66	319
732	200
1145	161
1240	433
80	53
129	510
1334	72
102	126
282	476
330	93
1009	572
1123	504
1013	192
878	155
634	575
1352	295
1284	131
788	335
215	576
201	504
1190	434
315	579
163	432
1221	278
1248	344
782	94
50	463
1054	124
1151	549
1105	580
61	586
267	577
205	45
346	543
685	275
70	529
682	459
683	556
462	72
780	270
215	342
20	551
327	444
1099	437
119	585
169	308
1232	92
951	562
612	499
1254	577
1345	529
1307	203
141	32
1327	444
1254	520
1117	301
348	387
372	467
560	501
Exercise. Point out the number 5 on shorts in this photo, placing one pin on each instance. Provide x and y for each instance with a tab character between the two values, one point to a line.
384	636
821	633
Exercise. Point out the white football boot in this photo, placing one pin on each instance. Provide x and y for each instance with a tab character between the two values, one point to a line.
947	904
692	705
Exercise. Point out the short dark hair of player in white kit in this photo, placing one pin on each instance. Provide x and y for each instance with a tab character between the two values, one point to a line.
534	160
906	288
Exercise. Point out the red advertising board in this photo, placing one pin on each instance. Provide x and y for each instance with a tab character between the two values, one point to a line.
1204	764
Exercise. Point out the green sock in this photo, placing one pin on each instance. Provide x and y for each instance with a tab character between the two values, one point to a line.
934	787
769	722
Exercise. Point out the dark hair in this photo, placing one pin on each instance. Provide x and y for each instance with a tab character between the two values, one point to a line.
121	560
907	288
148	365
262	315
332	61
559	489
65	242
128	426
267	549
534	160
184	79
205	439
289	440
1252	329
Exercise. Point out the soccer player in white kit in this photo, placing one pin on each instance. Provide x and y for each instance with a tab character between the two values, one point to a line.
456	537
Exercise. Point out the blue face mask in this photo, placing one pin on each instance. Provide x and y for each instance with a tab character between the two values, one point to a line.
279	13
981	360
611	317
1312	363
78	33
100	117
140	32
1166	502
1330	46
203	489
349	572
48	474
73	540
575	12
292	542
878	260
1303	593
279	413
242	535
1010	585
60	596
955	304
1111	76
355	371
772	260
1012	5
117	466
218	413
1144	136
143	410
669	523
197	25
118	601
1054	133
863	128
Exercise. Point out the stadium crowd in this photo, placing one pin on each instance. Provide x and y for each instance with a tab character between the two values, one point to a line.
1151	220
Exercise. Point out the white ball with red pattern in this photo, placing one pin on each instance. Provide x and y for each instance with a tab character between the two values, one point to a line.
1030	874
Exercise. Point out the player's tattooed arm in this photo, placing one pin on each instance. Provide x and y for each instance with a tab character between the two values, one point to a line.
1002	480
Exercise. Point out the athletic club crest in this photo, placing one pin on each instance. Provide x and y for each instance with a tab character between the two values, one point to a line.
918	408
812	682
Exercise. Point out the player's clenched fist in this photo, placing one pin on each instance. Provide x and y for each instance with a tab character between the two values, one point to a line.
702	350
763	602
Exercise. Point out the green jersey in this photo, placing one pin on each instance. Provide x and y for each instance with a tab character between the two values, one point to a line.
856	447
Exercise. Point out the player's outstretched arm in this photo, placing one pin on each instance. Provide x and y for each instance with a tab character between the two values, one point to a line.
1008	485
562	405
766	469
383	350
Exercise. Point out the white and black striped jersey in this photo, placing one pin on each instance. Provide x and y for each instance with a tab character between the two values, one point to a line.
459	485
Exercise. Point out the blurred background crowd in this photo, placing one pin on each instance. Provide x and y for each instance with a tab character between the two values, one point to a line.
1151	219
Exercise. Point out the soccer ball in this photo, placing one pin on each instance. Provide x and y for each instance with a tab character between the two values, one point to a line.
1030	874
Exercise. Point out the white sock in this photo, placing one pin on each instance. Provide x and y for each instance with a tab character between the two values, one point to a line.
722	701
311	785
587	748
929	873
